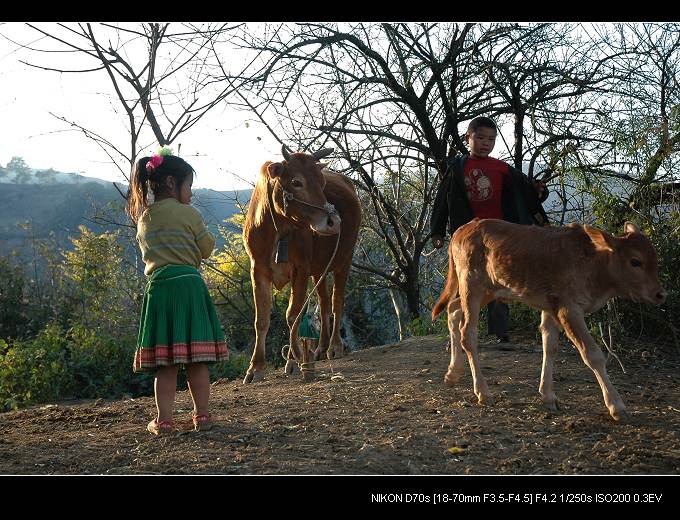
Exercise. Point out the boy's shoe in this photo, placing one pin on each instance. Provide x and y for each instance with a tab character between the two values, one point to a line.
160	427
202	423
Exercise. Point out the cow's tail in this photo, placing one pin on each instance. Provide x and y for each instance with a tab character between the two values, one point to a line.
450	289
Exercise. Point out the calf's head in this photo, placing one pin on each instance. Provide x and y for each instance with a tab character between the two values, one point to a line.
298	191
633	263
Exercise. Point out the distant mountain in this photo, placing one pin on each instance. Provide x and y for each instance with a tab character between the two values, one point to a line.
62	207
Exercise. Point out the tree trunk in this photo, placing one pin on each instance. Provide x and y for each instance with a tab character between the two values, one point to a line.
519	139
412	291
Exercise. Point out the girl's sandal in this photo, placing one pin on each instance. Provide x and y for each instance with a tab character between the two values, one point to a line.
160	427
202	422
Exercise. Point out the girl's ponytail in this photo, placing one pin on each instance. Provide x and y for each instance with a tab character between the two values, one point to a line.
138	190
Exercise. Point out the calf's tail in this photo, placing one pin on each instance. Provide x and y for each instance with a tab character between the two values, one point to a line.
450	289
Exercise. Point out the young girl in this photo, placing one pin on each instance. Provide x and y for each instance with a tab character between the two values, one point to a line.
179	325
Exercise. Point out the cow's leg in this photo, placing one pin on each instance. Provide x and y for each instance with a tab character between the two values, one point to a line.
550	332
336	348
262	293
470	305
298	294
575	326
456	366
324	311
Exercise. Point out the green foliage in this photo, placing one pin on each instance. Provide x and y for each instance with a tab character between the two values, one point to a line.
34	371
13	316
101	365
422	326
524	320
234	368
75	363
101	283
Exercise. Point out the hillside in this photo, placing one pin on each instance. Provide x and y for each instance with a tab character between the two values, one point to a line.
382	410
61	208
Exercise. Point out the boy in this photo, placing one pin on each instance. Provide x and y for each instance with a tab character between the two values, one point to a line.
479	186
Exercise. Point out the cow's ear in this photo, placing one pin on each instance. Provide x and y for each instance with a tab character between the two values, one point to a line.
602	240
631	227
275	170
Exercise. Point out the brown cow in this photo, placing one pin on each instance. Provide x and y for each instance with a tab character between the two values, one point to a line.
294	200
566	272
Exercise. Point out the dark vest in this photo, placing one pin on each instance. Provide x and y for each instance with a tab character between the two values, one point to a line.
519	204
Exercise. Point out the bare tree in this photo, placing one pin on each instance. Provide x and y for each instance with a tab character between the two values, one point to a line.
392	99
156	75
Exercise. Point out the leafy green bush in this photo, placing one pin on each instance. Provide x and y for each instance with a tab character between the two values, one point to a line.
234	368
77	363
34	371
422	326
100	365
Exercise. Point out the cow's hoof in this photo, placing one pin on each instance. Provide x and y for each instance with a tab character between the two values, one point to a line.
253	377
308	376
291	367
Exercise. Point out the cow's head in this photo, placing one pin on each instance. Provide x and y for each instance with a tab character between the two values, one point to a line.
297	184
633	261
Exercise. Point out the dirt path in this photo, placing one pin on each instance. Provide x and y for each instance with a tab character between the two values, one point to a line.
382	410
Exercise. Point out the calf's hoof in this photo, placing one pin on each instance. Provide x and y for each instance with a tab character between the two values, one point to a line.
620	416
451	379
484	399
291	367
308	376
552	405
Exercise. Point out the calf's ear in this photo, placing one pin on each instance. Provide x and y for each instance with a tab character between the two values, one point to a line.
601	239
631	227
275	169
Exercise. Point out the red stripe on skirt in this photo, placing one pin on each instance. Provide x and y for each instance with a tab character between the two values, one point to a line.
181	353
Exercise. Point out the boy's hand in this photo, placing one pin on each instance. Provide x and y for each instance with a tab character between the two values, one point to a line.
540	188
437	241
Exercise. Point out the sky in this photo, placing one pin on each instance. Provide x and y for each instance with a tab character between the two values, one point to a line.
221	147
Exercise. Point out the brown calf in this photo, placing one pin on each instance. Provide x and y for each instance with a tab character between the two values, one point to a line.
296	201
566	272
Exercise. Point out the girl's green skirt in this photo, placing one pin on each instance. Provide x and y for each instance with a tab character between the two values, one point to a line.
179	324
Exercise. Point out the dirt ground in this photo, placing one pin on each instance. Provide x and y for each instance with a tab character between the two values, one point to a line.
383	410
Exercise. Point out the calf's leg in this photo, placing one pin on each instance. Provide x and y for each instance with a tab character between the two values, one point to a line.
575	326
456	366
470	304
550	333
